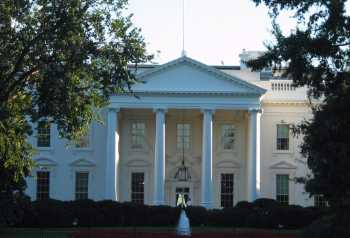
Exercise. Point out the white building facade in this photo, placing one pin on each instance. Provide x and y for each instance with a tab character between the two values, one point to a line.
217	134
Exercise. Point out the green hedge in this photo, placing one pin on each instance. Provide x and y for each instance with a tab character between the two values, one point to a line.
262	213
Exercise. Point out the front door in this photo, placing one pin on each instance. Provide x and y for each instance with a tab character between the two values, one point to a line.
185	191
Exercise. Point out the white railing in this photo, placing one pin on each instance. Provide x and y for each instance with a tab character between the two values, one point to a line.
282	85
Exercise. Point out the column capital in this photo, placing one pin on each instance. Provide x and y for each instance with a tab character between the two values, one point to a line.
160	109
255	110
208	110
113	109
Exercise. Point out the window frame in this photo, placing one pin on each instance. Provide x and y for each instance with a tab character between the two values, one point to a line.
222	137
277	143
137	192
280	194
320	201
141	137
49	135
87	185
190	137
232	194
87	148
38	186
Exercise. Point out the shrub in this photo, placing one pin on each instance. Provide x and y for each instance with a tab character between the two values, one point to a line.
244	205
265	203
197	215
263	213
13	209
321	228
51	213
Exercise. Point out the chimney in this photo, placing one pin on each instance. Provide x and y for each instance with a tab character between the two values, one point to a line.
246	56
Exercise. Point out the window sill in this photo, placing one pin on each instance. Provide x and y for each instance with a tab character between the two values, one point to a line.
283	152
45	148
87	149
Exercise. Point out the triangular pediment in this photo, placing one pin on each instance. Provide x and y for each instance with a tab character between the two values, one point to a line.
82	163
186	75
45	162
283	165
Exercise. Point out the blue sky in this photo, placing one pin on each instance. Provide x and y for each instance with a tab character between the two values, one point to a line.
215	31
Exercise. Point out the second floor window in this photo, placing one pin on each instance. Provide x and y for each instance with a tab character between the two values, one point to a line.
283	137
228	137
183	140
138	132
43	136
83	142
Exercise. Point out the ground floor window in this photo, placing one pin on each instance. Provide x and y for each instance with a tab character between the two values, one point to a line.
185	191
81	185
43	185
282	188
137	188
227	181
320	201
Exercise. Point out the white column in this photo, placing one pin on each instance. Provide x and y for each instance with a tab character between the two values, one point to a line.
253	172
112	155
207	159
159	160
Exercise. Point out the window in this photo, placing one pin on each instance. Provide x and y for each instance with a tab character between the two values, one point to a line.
81	185
43	134
227	181
283	137
137	188
320	201
43	185
83	142
138	132
183	137
228	137
282	188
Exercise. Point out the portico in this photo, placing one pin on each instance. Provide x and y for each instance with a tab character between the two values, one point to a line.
209	101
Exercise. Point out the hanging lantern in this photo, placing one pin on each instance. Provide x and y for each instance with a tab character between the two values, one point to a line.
183	173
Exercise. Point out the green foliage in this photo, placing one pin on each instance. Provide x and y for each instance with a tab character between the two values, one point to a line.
317	52
53	213
60	60
317	55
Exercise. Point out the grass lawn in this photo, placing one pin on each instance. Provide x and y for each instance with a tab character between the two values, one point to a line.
140	232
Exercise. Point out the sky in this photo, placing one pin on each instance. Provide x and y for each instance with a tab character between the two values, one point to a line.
216	32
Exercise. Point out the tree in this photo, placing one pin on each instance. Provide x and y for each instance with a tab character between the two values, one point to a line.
60	60
317	55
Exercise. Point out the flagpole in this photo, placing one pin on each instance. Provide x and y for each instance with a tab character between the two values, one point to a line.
183	28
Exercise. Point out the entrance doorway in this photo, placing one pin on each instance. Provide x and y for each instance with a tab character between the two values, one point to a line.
185	191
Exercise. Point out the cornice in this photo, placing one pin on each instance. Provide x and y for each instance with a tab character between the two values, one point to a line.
203	93
286	102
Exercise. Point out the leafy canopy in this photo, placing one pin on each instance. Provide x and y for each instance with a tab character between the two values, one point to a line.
317	55
59	61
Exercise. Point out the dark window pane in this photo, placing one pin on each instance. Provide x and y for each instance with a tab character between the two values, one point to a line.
43	185
227	183
137	188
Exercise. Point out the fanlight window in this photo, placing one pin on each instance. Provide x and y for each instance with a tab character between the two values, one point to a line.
228	137
183	137
138	132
